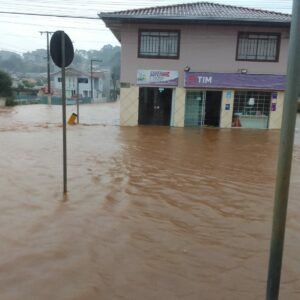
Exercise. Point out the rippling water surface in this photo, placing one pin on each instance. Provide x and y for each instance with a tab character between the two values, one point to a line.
152	213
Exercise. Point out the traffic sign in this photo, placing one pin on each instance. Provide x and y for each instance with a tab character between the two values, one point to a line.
56	49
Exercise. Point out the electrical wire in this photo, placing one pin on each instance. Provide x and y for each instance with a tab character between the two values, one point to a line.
84	14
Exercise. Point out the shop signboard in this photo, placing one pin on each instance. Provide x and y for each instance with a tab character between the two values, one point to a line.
234	81
157	77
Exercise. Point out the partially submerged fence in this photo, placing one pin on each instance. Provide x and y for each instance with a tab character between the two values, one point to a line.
55	100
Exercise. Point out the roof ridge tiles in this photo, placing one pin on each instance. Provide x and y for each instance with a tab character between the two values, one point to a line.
195	5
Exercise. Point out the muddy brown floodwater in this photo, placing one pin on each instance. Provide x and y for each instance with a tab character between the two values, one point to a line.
152	213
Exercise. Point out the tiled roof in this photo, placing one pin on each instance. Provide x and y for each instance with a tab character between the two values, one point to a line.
72	72
201	11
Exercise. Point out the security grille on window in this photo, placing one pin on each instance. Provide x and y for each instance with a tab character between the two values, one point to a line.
258	46
251	109
159	44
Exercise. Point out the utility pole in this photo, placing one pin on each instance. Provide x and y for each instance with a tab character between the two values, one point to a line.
48	64
285	156
93	60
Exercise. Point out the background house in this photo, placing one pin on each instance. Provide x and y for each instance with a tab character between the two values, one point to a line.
78	82
201	64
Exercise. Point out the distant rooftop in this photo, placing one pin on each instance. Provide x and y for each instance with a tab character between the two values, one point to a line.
199	12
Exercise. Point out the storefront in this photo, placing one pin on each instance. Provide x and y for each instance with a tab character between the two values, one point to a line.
156	94
155	106
233	100
222	100
202	108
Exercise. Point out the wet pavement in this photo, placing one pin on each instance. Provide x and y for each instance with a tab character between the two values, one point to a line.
152	212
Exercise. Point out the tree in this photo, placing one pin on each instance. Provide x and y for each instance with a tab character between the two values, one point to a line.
28	84
6	88
5	85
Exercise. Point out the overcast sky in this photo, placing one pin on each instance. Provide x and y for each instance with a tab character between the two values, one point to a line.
21	33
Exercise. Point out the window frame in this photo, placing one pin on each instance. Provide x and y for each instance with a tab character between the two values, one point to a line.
158	56
277	34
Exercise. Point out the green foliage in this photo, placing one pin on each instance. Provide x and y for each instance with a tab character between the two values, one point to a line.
39	82
35	61
20	86
10	101
109	55
28	84
5	85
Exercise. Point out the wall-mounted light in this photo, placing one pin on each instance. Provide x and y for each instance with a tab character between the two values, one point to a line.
187	69
243	71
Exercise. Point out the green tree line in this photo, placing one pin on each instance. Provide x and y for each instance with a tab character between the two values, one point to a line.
35	61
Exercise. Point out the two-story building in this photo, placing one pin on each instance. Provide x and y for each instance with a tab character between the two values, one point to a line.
79	83
201	64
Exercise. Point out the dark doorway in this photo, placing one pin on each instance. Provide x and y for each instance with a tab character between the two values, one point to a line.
155	106
213	108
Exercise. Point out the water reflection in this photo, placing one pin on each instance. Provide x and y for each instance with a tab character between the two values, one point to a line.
152	213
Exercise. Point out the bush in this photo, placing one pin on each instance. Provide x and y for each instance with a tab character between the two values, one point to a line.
10	101
5	85
6	89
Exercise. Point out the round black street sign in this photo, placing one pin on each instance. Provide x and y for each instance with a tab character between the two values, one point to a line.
55	49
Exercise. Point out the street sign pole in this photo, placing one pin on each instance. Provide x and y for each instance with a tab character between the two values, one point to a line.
77	101
63	80
285	156
62	53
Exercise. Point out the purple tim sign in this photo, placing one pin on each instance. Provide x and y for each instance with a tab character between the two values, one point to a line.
234	80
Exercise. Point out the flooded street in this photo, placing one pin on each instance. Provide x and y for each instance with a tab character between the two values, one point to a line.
152	212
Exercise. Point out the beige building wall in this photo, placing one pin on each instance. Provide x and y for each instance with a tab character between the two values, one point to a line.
179	107
276	116
129	106
226	115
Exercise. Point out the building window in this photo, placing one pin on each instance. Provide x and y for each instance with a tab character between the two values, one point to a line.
258	46
251	109
59	79
159	44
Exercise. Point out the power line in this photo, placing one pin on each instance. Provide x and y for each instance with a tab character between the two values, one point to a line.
55	26
48	15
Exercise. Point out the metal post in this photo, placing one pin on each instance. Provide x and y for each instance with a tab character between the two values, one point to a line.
77	101
48	70
285	157
63	80
96	60
92	94
48	64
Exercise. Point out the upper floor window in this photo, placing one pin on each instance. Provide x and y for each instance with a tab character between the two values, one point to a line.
258	46
159	44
